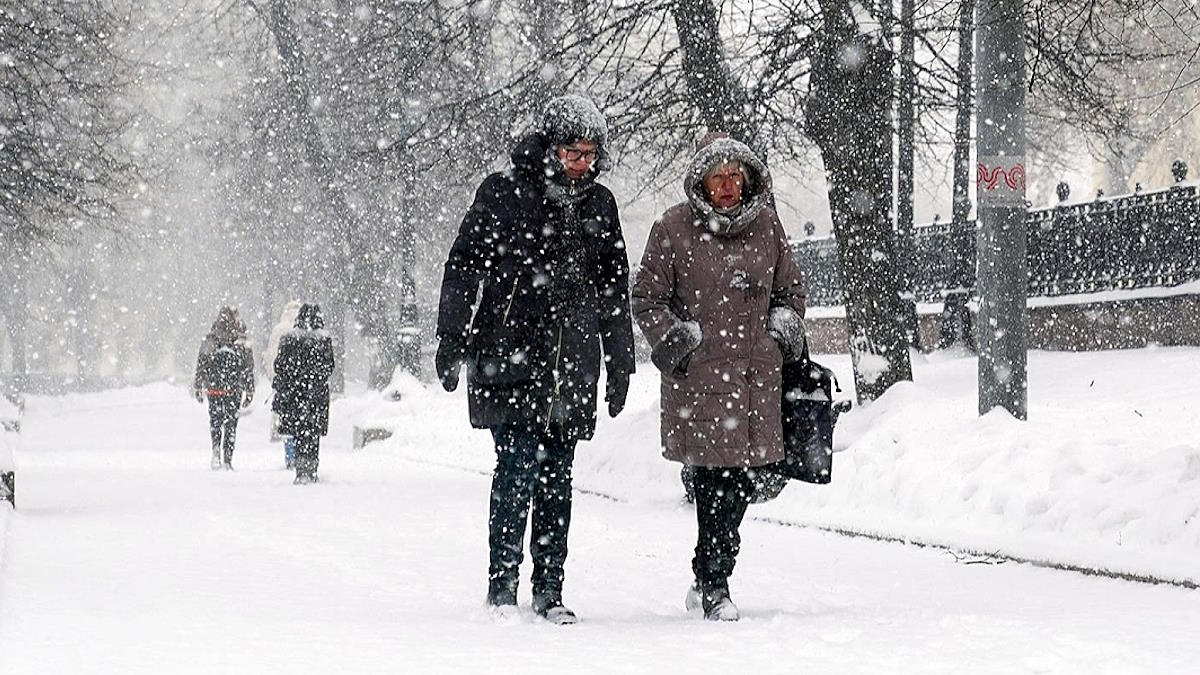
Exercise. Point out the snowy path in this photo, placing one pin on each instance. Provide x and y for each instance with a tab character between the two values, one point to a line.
129	556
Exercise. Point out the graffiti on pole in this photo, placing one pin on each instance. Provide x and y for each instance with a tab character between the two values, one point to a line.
1000	181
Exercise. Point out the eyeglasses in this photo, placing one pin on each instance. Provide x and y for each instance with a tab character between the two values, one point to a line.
575	154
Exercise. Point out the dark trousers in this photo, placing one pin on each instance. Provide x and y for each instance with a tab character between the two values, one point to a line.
222	423
722	495
308	446
531	467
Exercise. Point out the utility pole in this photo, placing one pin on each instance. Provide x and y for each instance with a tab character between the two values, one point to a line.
1003	269
906	123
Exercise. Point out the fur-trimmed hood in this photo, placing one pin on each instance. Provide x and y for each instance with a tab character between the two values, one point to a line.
718	148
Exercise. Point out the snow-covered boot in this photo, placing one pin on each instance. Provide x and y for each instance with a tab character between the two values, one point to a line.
501	592
549	606
718	606
502	599
216	459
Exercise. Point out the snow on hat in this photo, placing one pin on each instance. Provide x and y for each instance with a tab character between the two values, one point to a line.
573	117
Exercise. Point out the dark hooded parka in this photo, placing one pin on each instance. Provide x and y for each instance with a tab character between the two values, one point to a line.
225	364
549	256
723	271
303	367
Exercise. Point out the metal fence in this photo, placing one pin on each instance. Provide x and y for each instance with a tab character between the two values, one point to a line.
1133	241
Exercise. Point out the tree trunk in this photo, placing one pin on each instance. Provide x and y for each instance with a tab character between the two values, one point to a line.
359	279
848	116
964	107
906	277
721	100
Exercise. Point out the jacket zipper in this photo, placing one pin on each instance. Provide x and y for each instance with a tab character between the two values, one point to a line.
557	387
511	296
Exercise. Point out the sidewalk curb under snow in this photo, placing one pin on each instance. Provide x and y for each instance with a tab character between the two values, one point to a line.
970	555
967	555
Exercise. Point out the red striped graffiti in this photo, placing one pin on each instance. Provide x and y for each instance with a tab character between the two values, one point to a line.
1000	181
1013	176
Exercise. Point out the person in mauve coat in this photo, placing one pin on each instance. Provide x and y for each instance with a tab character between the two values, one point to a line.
302	371
720	300
541	247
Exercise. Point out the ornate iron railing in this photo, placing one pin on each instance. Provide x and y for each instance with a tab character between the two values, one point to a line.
1134	241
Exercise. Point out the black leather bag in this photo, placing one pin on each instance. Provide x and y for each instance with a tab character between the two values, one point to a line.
807	415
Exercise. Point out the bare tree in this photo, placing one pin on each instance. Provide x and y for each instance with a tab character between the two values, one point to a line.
64	167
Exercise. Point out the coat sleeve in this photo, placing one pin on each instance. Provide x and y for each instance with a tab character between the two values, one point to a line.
655	286
787	287
277	333
325	366
248	372
202	357
468	259
283	373
616	324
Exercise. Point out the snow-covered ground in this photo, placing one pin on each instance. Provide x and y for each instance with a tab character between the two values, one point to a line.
128	555
1105	474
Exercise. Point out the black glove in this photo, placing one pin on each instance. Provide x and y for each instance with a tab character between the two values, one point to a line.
451	353
198	393
616	388
248	397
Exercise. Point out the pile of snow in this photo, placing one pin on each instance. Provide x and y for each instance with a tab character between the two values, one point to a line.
1105	474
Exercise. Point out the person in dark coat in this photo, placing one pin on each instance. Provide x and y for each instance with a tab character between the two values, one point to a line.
225	374
720	300
302	370
543	240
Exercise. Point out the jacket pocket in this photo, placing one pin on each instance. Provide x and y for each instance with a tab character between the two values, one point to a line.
501	369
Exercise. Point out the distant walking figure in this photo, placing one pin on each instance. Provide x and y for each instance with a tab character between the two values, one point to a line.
225	374
302	370
287	321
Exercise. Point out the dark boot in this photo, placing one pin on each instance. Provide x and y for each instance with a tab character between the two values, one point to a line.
502	592
502	599
718	606
549	606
